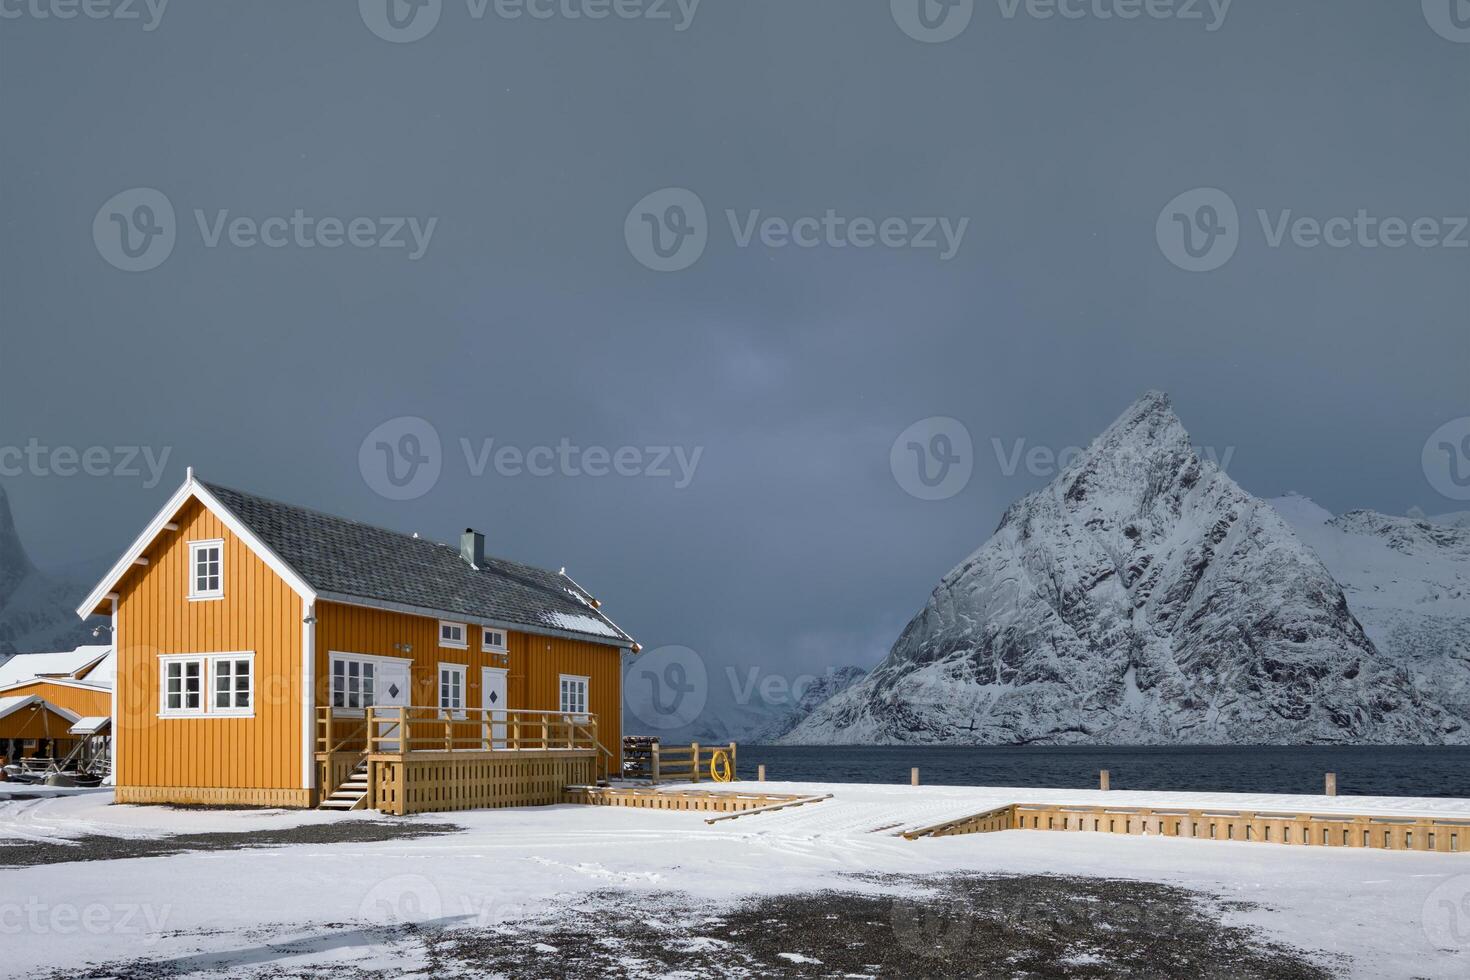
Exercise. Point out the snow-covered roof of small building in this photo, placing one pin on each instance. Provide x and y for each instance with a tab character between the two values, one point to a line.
65	663
89	725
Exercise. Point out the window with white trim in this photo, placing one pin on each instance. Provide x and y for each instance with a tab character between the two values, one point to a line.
492	640
453	635
234	684
206	569
353	683
183	686
573	695
207	684
451	689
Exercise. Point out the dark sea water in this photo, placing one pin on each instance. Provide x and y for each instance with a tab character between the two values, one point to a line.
1361	771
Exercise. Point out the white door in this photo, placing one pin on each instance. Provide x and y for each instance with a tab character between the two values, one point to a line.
390	688
493	694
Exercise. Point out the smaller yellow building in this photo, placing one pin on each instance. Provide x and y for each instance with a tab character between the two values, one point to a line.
44	696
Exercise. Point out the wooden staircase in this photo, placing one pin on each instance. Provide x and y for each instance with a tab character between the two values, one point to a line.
352	794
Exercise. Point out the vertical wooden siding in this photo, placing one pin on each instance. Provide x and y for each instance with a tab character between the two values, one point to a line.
87	702
260	613
535	666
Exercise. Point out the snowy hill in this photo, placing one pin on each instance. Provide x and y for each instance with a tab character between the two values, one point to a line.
1142	597
37	611
1408	582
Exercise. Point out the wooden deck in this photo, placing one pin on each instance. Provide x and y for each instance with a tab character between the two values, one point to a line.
419	759
1440	834
730	802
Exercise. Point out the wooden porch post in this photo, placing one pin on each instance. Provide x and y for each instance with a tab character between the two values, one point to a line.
655	763
694	760
733	770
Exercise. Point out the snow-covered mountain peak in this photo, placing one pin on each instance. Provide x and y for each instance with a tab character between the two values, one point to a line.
1141	597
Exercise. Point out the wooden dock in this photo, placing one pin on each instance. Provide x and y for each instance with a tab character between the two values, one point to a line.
732	802
1382	832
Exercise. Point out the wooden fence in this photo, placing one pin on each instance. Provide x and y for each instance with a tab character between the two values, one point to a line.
1302	829
701	800
657	763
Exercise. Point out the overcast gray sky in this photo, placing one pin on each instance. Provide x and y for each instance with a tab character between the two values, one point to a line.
524	314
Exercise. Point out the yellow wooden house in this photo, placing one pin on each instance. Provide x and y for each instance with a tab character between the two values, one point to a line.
271	654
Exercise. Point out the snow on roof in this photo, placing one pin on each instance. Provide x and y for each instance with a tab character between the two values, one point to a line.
24	666
18	701
105	673
89	725
573	623
7	705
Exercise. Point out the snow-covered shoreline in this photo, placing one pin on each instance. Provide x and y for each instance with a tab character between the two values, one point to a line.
1381	909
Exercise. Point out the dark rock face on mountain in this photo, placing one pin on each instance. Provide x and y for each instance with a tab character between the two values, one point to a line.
36	611
1141	598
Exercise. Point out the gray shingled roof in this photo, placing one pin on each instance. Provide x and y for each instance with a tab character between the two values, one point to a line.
341	557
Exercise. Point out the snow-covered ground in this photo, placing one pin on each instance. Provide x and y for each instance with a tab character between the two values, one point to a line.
1395	914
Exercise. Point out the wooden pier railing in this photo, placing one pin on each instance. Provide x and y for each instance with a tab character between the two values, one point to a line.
647	758
408	730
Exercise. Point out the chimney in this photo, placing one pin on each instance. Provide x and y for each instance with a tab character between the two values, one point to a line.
472	547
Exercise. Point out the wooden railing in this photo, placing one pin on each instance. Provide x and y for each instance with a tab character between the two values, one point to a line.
406	730
680	763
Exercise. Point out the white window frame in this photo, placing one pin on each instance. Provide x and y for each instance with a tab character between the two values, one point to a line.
208	670
576	680
182	711
232	711
197	594
333	659
463	643
488	647
462	673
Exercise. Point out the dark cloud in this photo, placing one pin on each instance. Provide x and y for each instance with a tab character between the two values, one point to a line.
528	321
